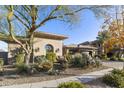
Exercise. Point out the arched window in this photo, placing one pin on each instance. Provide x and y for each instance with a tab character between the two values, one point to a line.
49	48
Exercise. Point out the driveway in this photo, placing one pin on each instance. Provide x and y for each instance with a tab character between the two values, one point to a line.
114	64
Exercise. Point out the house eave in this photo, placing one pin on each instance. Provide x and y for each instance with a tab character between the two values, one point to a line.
8	39
49	36
80	47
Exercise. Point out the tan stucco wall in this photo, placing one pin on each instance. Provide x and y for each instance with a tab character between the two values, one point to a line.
40	43
11	47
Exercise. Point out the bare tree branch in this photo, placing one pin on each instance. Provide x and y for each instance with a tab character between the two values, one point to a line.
50	17
22	21
27	20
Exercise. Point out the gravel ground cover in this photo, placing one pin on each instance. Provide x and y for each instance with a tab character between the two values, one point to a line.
7	80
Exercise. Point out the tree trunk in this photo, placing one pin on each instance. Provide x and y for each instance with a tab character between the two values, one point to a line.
33	55
27	58
31	46
101	50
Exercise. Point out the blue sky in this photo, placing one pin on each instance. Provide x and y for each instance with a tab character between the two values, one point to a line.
86	30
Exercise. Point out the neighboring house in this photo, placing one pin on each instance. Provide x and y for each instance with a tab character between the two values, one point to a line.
43	42
73	48
94	43
97	44
4	55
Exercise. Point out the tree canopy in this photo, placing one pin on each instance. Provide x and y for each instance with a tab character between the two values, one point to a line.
113	28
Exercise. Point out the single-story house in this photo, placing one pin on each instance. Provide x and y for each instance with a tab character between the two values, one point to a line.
43	42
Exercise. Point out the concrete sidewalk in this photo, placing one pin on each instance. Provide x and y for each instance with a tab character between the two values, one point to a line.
114	64
53	83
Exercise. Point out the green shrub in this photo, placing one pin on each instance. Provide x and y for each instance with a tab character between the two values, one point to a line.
20	65
1	64
22	68
83	60
72	61
71	85
115	78
91	60
51	56
40	59
68	57
114	58
42	63
86	59
78	60
54	71
118	71
63	63
121	84
104	56
20	58
108	59
121	59
97	62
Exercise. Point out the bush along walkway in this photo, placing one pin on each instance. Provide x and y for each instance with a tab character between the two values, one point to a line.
84	78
